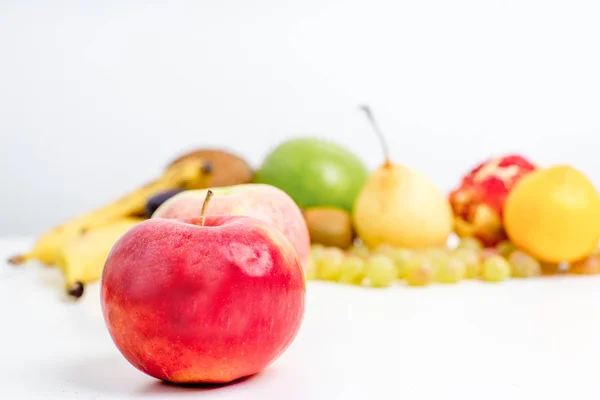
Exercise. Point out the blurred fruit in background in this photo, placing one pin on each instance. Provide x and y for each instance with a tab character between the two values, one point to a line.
185	174
512	218
156	200
80	246
360	250
505	248
227	168
329	226
469	242
550	269
314	172
488	252
263	202
82	259
384	265
401	258
451	270
330	264
495	269
471	260
380	270
589	265
553	214
353	270
400	206
523	265
479	200
420	271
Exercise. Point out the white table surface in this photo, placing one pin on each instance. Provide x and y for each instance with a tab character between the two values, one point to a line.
524	339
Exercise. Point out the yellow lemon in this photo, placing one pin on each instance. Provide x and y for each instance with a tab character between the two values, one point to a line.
554	215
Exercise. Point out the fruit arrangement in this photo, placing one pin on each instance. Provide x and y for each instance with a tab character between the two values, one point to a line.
79	247
515	217
203	271
386	265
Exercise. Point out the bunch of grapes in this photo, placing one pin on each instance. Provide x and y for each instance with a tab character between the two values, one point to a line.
385	265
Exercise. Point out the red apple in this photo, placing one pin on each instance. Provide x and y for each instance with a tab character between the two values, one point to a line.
188	302
264	202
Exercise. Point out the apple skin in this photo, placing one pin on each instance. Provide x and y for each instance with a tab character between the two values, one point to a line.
188	304
261	201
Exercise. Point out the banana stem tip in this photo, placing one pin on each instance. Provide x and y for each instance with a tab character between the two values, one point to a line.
18	259
75	290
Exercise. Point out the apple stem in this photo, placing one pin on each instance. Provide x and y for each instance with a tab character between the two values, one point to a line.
384	146
209	194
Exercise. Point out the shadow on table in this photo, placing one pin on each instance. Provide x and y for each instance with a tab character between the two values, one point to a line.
102	374
111	373
161	388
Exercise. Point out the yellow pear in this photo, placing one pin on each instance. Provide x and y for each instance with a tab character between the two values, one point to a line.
400	206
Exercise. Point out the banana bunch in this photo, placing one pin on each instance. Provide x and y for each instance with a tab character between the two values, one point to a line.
80	246
82	259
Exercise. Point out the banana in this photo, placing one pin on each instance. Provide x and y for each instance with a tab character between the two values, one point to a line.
191	173
82	259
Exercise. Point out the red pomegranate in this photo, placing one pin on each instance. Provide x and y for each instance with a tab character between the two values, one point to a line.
479	200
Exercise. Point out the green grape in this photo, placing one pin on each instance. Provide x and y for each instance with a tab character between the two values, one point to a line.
453	270
488	252
311	270
419	271
436	253
523	265
495	269
353	270
505	248
401	258
316	250
380	270
383	248
317	246
471	260
360	251
329	264
438	257
470	243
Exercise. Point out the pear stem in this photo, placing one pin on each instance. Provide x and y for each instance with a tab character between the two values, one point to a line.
384	146
209	195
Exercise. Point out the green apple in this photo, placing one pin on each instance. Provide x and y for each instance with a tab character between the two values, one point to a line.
314	172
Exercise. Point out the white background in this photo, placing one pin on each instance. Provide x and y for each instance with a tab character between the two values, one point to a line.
95	97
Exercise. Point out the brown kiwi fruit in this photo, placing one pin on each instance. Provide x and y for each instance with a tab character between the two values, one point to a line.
227	168
329	226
